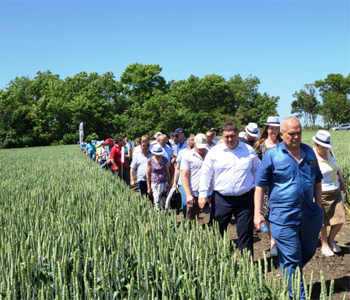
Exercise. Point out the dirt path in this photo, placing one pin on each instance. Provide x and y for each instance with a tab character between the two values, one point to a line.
336	267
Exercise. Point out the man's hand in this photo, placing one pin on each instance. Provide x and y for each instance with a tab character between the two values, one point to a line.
149	191
190	199
132	183
258	218
202	202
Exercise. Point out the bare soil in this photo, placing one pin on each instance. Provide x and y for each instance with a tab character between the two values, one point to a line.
335	267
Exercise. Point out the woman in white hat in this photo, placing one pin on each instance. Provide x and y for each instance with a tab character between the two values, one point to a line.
269	138
158	176
332	185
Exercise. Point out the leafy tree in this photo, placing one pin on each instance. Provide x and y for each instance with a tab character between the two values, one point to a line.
306	104
335	91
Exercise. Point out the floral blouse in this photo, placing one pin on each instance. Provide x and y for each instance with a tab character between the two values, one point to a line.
158	170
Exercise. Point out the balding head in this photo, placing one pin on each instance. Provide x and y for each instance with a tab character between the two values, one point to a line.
289	121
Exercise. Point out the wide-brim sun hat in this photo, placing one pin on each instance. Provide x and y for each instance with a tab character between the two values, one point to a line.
252	129
323	138
272	121
157	149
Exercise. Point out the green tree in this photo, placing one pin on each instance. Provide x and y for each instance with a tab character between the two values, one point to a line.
306	104
335	91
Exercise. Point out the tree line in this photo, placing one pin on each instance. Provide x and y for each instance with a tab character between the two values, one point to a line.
46	109
335	106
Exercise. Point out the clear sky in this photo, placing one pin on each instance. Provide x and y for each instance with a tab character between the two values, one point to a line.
286	44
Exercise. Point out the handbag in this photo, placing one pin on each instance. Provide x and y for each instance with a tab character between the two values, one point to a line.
173	200
176	200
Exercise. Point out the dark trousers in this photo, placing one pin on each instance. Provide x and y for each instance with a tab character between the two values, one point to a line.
242	207
126	175
142	187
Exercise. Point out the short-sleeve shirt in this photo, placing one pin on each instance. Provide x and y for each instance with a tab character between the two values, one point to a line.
181	146
291	185
116	154
158	170
178	160
139	163
192	162
329	170
90	149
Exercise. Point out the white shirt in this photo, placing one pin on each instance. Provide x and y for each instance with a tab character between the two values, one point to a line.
192	161
229	172
329	170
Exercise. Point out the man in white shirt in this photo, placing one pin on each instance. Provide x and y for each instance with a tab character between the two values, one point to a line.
191	166
230	168
162	140
139	163
137	149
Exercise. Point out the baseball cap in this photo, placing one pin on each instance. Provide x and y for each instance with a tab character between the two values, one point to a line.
108	141
177	131
201	141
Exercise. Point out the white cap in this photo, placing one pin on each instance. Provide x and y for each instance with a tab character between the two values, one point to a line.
201	141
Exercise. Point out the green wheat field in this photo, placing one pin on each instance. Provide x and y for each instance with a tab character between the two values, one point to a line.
70	230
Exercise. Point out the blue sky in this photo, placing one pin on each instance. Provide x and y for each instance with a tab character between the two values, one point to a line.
286	44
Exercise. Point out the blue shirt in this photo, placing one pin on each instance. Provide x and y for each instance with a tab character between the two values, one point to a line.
173	146
128	144
107	151
181	146
212	145
168	153
178	160
90	148
291	185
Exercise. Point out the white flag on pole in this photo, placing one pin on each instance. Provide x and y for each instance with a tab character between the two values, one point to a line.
81	133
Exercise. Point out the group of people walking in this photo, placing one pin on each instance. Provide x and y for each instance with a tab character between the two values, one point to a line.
270	179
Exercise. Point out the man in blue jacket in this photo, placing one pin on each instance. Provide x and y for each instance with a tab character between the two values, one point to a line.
291	172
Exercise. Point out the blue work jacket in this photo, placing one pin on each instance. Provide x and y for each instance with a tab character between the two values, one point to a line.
291	185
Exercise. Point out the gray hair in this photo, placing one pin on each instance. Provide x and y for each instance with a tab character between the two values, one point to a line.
162	136
288	121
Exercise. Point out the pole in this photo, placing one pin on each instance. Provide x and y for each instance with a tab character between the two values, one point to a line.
122	159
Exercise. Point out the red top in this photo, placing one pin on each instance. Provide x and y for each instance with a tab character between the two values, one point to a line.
116	154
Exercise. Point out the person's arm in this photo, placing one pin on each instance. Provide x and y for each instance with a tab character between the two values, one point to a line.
114	164
169	177
132	174
258	198
204	181
186	186
341	180
176	174
318	194
128	156
148	179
